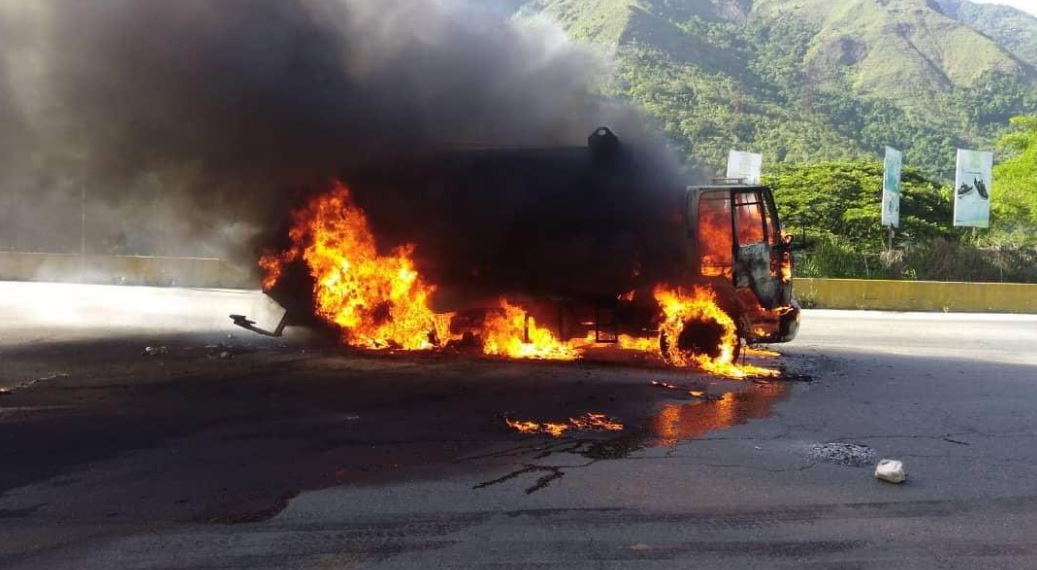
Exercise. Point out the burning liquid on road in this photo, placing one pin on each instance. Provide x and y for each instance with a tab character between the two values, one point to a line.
382	302
590	421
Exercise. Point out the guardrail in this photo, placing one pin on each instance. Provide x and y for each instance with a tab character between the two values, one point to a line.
875	294
125	270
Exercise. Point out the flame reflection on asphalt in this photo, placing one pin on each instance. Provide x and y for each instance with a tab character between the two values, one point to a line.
684	421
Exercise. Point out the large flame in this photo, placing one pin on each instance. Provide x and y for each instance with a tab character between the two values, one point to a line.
512	332
379	301
382	302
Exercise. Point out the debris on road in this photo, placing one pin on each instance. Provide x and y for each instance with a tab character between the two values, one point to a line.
155	350
796	376
849	454
10	390
891	471
248	324
225	355
661	384
693	393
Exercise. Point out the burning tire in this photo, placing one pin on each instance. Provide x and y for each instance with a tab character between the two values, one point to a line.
697	331
697	340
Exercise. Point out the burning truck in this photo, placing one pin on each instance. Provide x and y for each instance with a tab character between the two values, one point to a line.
545	253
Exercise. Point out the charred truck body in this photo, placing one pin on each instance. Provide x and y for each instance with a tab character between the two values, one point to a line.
579	237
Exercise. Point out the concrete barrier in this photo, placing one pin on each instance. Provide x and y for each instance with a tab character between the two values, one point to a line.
125	270
871	294
874	294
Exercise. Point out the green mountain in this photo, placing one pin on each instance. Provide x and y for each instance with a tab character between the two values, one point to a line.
1012	29
906	50
810	80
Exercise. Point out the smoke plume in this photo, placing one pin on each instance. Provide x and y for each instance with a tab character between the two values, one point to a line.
189	125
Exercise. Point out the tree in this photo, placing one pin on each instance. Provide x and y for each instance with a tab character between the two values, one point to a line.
1015	180
843	200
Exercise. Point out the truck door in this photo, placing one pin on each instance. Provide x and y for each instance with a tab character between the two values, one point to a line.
713	237
758	246
781	250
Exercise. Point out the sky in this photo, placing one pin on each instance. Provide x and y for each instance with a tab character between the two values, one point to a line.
1025	5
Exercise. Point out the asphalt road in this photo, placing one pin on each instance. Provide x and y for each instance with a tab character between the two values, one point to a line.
245	451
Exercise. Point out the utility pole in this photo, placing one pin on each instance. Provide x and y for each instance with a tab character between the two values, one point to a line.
82	220
82	231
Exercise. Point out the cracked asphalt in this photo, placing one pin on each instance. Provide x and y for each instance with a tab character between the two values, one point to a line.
234	450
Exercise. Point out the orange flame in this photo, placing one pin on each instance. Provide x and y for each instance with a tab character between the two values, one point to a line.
382	302
595	421
378	301
590	421
786	260
716	244
531	427
513	333
699	308
640	343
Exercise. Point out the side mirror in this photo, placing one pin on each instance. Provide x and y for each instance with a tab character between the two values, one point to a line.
790	243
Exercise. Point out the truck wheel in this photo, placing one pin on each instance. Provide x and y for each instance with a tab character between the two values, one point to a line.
697	338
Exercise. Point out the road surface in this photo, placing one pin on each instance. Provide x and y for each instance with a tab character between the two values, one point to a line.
246	451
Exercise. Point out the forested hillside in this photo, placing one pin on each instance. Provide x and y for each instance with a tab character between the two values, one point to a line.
813	80
1011	29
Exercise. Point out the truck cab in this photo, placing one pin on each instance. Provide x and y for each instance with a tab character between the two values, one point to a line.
736	246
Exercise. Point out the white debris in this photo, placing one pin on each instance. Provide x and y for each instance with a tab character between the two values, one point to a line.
225	355
155	350
891	471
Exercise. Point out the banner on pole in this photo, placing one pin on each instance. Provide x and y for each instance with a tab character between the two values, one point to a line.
972	186
891	188
745	165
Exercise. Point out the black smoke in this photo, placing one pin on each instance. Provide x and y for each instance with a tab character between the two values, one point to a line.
191	126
